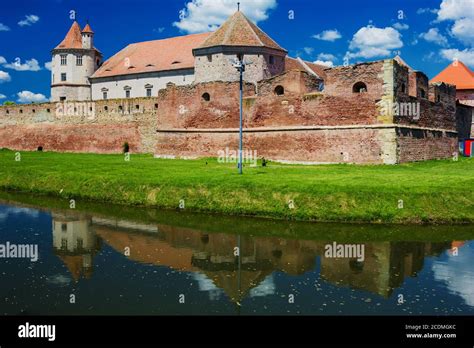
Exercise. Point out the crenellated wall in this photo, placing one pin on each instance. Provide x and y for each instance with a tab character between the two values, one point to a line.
289	117
101	126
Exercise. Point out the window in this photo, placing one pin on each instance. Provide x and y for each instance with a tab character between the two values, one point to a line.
271	60
438	98
359	87
79	60
63	76
104	95
63	227
148	92
127	94
422	93
80	243
62	98
63	243
63	59
206	97
209	58
404	88
279	90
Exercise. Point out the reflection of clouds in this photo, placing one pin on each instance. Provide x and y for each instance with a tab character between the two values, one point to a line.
265	288
58	279
206	284
5	212
458	274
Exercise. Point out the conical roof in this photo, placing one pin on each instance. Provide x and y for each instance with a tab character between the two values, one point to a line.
73	38
456	73
238	30
88	29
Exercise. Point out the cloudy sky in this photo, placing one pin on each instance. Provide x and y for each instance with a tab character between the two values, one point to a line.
428	34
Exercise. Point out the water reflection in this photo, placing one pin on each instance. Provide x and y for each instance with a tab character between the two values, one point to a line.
212	256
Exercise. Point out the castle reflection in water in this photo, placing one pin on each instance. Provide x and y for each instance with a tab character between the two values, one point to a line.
77	239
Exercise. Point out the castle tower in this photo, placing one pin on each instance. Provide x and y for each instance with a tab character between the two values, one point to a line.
238	36
74	60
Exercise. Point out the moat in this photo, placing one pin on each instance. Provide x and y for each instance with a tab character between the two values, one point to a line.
118	260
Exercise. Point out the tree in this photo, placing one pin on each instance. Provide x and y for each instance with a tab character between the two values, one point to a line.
9	102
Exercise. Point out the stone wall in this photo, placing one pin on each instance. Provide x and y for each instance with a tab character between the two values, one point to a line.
464	117
100	127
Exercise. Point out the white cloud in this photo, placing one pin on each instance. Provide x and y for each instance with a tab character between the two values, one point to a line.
29	20
401	26
457	273
30	97
328	35
434	36
29	65
308	50
326	56
4	76
327	63
159	30
3	27
370	42
462	13
207	15
426	10
48	65
2	60
466	56
2	96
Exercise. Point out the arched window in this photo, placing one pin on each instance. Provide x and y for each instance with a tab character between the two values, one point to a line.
422	93
279	90
206	97
359	87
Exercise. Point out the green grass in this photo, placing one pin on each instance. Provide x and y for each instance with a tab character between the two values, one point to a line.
433	191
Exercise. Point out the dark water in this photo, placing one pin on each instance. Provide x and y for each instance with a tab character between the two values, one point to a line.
282	268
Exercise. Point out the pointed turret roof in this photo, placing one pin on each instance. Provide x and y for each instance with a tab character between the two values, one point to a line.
238	30
456	73
73	38
88	29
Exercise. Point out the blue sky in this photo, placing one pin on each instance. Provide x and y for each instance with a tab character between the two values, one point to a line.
428	34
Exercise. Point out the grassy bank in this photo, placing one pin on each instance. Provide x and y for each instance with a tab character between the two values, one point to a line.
434	191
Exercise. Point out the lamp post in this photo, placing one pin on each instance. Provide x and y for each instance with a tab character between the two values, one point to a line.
240	66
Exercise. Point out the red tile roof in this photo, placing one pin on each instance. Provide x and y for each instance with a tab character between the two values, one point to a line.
457	74
73	38
294	64
238	30
151	56
87	29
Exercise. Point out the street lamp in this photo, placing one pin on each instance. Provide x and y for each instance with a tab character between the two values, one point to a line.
239	64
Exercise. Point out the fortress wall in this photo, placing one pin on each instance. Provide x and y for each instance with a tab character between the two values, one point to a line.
101	126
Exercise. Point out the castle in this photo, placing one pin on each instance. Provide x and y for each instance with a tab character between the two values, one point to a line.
179	97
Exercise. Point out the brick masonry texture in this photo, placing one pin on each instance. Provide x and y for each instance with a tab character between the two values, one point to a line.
288	117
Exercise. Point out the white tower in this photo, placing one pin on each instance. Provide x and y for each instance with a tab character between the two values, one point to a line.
74	60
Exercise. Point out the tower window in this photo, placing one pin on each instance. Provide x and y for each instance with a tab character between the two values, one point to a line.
209	58
271	60
63	77
104	95
422	93
279	90
359	87
127	94
206	97
62	98
148	92
63	59
404	88
79	60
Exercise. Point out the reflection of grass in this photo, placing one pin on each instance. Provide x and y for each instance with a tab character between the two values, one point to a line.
210	223
434	191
